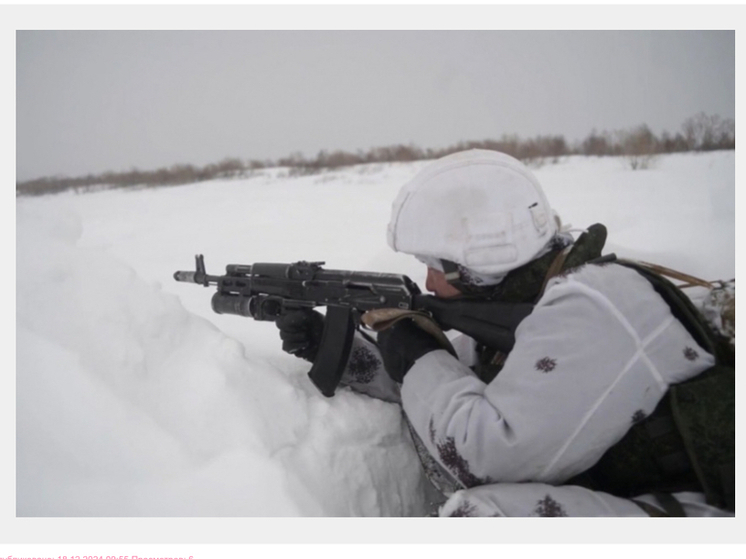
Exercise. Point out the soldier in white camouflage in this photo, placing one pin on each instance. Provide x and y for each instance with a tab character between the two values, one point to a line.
551	427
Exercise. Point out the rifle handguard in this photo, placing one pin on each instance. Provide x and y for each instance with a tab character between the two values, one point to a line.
381	319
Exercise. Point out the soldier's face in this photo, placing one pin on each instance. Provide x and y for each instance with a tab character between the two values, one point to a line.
436	283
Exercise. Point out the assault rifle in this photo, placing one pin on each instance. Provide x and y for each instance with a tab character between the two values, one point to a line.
265	291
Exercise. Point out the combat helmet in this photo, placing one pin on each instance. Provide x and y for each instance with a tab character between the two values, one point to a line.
479	210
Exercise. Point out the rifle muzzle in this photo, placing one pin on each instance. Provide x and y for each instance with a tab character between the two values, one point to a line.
185	276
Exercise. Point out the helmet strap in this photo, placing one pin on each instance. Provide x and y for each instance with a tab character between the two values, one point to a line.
453	275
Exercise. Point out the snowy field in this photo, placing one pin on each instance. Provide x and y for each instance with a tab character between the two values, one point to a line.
135	399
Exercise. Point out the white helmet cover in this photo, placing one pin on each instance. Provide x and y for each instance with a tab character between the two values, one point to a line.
479	208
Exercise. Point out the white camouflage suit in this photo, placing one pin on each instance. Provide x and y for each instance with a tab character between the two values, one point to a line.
598	353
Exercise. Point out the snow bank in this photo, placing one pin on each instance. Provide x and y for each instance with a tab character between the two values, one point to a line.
130	405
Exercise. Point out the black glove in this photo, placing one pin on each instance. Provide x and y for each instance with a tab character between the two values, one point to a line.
301	331
401	345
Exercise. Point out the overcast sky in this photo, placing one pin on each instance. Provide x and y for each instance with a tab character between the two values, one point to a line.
93	101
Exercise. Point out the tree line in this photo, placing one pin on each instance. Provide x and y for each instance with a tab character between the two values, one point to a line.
638	146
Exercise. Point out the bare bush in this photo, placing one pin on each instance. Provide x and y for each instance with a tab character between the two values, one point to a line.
639	147
599	144
672	144
255	164
705	132
230	167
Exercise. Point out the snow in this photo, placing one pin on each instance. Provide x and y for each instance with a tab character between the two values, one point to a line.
135	399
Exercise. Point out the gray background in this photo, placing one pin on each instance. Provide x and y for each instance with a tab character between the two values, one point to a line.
95	101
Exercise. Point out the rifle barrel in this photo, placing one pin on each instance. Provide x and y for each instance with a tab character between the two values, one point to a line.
195	277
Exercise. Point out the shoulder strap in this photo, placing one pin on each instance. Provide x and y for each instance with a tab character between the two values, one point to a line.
675	274
683	308
554	268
